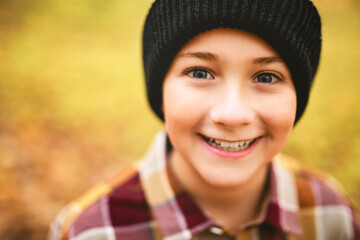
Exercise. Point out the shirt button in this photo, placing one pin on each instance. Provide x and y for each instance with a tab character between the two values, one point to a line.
216	230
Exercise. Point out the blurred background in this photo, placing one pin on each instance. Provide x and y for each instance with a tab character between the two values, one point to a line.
73	109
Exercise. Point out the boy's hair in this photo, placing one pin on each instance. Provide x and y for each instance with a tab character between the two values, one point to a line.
291	27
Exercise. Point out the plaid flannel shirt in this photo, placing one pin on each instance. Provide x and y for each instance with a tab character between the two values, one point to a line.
140	203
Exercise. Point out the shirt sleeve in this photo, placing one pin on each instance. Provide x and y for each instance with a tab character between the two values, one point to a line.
325	203
59	228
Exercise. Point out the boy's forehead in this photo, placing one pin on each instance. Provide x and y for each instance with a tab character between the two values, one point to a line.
212	45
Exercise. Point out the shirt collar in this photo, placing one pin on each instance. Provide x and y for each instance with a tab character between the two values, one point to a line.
283	206
179	217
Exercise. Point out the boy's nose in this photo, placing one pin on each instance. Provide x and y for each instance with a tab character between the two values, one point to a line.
232	110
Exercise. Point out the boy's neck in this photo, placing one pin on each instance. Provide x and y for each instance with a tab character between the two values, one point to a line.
230	207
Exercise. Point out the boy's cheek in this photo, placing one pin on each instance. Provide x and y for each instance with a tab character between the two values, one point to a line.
181	102
277	110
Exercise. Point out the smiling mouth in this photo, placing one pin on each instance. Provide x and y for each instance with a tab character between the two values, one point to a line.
229	146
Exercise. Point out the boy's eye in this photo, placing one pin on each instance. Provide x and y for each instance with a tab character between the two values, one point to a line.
199	73
267	78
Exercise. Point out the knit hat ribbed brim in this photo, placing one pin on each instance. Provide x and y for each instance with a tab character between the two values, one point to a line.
291	27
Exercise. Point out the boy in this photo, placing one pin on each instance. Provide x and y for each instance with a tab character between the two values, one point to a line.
229	79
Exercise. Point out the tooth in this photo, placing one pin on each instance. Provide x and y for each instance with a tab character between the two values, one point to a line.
229	146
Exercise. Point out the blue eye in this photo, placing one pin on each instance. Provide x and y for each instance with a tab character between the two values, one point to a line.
199	73
267	78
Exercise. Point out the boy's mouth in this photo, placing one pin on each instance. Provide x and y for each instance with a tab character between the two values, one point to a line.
229	146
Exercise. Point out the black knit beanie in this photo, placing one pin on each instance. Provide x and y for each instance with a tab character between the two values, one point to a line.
291	27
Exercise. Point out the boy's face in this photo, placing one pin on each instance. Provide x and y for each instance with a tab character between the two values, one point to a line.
229	105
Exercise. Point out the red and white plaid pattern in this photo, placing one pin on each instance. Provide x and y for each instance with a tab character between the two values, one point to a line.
140	203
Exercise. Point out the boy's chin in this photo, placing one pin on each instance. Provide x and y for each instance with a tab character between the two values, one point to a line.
230	178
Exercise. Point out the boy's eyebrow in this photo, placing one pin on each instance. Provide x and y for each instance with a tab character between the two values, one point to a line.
202	55
265	60
213	57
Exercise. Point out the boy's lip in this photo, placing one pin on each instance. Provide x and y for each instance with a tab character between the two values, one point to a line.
225	153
